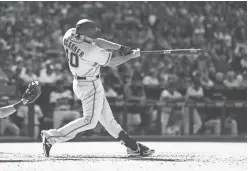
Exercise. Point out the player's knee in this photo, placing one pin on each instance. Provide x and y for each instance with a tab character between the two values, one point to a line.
91	122
92	125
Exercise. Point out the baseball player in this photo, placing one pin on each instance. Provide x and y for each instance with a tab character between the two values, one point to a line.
31	94
86	54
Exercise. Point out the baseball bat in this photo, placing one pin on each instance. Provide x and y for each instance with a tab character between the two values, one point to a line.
174	51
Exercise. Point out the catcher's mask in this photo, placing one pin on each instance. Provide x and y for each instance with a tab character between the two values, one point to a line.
87	28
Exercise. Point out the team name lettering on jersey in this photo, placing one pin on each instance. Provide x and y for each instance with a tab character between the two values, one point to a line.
84	59
69	44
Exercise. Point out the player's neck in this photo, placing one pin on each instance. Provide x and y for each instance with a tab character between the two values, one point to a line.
86	39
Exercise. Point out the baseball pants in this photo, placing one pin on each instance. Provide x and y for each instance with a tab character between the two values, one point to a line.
95	108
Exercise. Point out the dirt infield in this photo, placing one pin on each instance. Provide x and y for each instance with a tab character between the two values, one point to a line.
108	156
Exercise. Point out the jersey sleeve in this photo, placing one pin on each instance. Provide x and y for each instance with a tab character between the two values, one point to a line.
100	56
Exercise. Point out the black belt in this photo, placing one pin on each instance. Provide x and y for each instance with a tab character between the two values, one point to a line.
85	78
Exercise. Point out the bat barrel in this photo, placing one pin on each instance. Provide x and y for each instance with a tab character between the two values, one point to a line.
175	51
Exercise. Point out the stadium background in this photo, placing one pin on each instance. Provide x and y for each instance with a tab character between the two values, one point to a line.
31	48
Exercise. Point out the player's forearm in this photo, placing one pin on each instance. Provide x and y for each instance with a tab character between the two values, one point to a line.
105	44
8	110
120	60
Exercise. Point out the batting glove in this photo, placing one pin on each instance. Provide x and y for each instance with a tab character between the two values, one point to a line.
136	53
125	50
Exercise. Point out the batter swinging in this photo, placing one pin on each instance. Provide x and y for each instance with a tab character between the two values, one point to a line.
86	54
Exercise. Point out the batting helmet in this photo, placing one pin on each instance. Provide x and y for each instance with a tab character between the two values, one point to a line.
87	28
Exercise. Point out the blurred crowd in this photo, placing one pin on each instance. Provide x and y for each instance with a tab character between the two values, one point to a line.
31	48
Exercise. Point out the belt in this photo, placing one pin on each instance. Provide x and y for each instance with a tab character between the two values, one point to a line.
86	78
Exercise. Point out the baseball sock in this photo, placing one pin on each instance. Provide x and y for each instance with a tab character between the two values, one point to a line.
128	141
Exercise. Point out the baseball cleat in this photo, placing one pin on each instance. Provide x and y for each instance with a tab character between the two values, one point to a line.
46	145
142	151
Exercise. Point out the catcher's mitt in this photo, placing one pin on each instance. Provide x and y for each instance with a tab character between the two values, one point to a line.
32	93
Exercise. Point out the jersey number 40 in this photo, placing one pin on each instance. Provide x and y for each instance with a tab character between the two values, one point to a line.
72	59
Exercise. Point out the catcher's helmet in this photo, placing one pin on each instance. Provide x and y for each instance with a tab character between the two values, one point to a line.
87	28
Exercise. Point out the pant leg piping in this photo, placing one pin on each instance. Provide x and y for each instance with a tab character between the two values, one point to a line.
93	110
